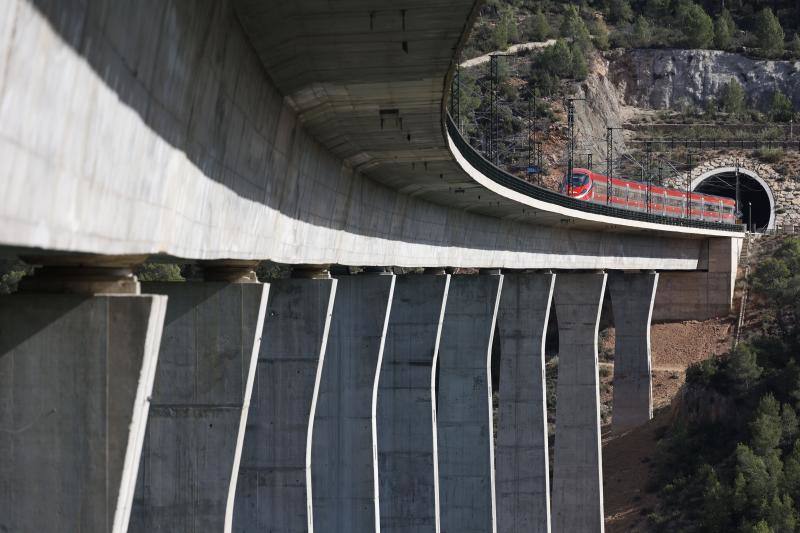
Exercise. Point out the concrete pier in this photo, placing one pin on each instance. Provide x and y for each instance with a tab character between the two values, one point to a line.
464	405
202	390
343	455
405	417
274	490
523	479
76	374
577	468
632	297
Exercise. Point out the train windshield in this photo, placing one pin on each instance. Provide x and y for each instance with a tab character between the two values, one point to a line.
578	180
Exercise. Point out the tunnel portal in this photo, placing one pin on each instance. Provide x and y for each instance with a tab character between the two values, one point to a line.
756	203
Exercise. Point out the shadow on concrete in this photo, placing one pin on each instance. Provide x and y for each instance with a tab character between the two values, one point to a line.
190	73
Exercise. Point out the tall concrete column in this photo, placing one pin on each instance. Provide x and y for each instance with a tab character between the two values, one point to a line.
464	405
274	491
523	469
205	375
632	297
405	416
578	465
343	455
76	375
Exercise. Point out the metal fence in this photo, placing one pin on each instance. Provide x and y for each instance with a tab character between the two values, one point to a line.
540	193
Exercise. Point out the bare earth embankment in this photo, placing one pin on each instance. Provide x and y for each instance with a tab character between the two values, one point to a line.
627	457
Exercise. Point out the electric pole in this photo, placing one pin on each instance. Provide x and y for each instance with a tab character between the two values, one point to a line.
571	141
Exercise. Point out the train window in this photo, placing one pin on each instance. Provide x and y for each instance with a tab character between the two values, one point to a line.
579	180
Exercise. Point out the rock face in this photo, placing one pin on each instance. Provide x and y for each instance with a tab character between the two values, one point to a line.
602	108
662	79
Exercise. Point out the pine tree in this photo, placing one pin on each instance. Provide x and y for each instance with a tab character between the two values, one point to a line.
789	425
642	33
698	28
724	29
791	471
765	429
538	27
620	11
742	369
716	505
769	33
574	28
794	46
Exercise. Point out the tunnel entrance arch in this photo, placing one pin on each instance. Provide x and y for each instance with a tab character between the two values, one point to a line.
756	197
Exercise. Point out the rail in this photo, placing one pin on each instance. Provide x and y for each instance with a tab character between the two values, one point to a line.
516	184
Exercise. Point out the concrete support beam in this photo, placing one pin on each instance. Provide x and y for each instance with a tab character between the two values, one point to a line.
578	464
274	490
464	405
703	294
632	297
76	375
405	416
344	465
206	368
523	468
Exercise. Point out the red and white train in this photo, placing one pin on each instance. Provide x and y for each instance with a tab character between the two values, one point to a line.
592	187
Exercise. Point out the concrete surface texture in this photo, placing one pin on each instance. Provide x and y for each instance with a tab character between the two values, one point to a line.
632	297
343	456
76	374
170	138
577	503
464	405
206	369
405	416
274	489
704	294
523	468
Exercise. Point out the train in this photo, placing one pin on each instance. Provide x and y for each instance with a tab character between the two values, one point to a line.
592	187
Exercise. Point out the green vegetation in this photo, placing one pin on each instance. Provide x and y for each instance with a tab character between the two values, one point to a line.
769	32
159	272
11	271
732	99
697	26
732	460
724	30
755	27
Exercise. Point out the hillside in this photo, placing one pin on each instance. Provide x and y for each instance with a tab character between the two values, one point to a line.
647	68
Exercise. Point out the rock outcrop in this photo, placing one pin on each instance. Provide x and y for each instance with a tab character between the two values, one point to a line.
672	78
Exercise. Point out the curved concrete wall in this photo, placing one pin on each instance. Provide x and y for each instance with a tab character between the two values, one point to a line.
153	128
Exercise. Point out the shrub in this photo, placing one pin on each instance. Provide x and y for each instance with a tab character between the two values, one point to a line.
781	109
733	98
601	36
159	272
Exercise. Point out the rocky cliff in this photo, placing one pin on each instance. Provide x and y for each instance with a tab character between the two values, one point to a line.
667	79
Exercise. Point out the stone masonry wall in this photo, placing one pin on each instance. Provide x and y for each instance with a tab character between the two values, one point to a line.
785	189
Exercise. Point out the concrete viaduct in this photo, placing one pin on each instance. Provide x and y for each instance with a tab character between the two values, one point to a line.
314	134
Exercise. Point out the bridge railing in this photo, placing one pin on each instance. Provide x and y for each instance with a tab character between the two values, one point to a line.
521	186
